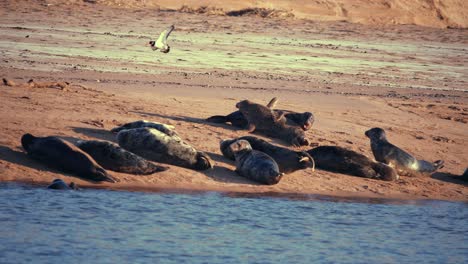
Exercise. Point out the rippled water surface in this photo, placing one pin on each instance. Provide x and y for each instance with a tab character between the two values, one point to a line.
101	226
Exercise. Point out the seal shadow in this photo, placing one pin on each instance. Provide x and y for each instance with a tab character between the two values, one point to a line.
21	158
448	177
100	134
187	119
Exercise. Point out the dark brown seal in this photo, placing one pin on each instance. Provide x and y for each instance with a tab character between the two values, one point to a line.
338	159
403	162
112	157
303	120
255	165
158	146
59	184
288	161
59	154
261	119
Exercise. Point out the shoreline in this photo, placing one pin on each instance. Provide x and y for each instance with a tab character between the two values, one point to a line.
236	192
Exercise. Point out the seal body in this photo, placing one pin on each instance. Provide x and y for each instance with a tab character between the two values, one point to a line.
288	161
303	120
237	119
338	159
166	129
112	157
59	184
64	156
155	145
403	162
261	119
254	165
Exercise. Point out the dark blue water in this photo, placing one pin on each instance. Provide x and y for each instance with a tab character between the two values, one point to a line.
101	226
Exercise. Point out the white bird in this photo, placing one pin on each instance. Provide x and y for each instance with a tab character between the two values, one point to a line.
161	43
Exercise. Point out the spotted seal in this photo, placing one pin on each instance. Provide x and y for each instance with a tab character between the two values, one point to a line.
166	129
59	154
112	157
261	119
403	162
155	145
59	184
338	159
254	165
288	161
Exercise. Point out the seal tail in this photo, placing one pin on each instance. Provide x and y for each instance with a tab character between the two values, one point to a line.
217	119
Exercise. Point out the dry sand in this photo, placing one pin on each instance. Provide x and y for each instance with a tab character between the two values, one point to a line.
409	80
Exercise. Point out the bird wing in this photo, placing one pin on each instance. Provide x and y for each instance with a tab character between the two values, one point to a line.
161	42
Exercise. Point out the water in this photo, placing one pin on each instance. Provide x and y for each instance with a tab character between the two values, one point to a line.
101	226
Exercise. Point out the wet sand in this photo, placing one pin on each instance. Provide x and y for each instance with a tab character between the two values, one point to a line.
409	80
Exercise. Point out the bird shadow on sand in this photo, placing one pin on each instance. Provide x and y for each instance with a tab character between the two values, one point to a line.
97	133
448	177
21	158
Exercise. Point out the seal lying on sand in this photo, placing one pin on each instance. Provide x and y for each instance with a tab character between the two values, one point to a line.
59	184
304	120
288	161
255	165
404	163
261	119
158	146
338	159
112	157
167	129
58	153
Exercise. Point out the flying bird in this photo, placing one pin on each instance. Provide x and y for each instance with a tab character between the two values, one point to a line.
161	43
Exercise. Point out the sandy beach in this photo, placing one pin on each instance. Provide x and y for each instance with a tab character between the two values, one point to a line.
407	79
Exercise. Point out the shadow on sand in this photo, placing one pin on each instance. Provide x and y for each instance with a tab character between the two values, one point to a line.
100	134
448	177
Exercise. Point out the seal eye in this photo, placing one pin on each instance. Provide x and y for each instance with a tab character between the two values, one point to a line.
152	43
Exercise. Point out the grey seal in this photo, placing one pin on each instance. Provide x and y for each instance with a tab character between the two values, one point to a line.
112	157
166	129
158	146
263	120
59	154
403	162
59	184
338	159
303	120
255	165
288	160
